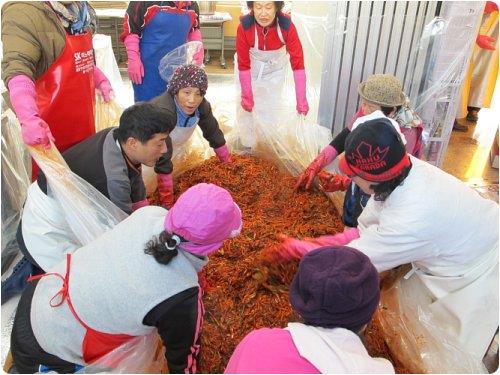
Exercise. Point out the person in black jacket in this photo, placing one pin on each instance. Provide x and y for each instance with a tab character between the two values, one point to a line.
185	99
111	162
150	263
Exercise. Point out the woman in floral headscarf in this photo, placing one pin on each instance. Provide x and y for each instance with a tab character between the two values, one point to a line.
185	98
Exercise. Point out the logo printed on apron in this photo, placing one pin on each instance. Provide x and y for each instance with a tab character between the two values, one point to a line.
65	94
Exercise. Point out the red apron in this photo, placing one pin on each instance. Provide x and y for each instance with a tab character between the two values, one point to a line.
65	93
95	344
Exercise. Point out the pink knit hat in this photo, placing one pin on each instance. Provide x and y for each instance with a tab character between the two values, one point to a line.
205	215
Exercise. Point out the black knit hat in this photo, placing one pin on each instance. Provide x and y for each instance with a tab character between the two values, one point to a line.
374	151
188	75
335	287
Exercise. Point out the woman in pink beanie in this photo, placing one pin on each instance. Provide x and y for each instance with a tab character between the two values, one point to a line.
140	276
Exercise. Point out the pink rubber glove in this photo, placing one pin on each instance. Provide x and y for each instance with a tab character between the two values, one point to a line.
291	248
195	36
166	189
324	158
223	154
299	76
34	129
140	204
246	90
330	182
102	84
485	42
135	68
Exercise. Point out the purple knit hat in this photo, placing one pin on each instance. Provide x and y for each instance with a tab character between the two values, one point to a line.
335	287
188	76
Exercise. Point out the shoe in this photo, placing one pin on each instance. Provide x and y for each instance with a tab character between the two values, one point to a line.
460	127
17	281
472	114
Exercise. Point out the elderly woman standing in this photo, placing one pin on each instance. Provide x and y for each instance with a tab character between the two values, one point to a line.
48	67
185	99
266	41
140	276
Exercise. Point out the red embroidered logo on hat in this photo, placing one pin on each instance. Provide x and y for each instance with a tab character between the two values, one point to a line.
368	159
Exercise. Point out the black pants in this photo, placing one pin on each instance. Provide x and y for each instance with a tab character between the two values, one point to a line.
27	354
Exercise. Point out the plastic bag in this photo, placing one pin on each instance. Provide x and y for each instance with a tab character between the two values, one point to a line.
414	336
88	213
179	56
106	114
16	173
140	355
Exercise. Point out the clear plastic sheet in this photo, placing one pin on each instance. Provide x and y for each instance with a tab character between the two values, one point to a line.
88	213
16	173
179	56
141	355
106	114
414	336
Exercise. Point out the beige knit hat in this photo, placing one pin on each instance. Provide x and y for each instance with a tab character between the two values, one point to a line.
382	89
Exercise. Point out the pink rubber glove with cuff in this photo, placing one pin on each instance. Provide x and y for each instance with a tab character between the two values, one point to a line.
102	84
165	189
140	204
135	68
299	76
195	36
34	130
246	90
325	157
223	154
291	248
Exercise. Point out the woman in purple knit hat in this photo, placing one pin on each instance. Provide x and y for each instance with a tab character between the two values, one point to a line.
336	292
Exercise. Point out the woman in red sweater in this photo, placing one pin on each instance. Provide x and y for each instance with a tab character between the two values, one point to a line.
265	41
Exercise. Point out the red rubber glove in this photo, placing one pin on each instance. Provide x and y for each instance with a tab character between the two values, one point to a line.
485	42
490	7
324	158
166	189
330	182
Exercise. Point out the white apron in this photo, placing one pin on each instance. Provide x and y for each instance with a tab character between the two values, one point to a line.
46	233
465	306
268	69
180	136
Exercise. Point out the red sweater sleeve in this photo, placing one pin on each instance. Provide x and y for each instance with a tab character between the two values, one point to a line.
294	49
133	22
242	49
